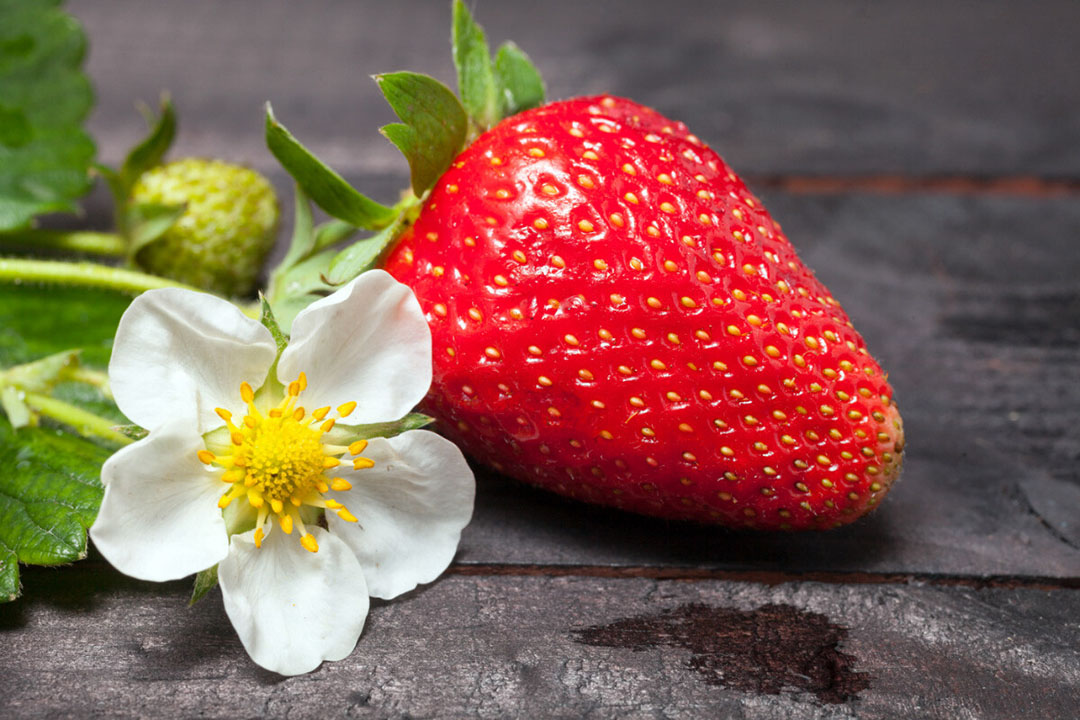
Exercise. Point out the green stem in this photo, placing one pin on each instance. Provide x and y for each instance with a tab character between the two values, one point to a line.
88	274
86	423
96	243
96	378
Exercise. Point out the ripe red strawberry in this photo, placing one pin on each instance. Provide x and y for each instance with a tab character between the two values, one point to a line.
616	318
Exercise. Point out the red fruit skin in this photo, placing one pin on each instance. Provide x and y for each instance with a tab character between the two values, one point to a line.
616	318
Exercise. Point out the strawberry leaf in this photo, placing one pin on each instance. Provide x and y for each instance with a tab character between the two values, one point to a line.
329	190
433	124
45	154
519	82
475	76
49	478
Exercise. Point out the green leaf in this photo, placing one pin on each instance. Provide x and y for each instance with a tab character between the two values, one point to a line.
49	478
50	491
434	124
146	222
519	82
476	79
40	320
329	190
45	154
205	581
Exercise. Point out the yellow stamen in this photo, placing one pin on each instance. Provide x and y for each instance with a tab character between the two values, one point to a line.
361	463
278	462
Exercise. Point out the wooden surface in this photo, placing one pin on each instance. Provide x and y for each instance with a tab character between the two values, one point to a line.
924	158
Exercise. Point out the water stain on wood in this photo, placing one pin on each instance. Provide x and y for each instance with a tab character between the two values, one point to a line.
767	650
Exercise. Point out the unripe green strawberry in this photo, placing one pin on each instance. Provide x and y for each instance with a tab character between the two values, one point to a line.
221	240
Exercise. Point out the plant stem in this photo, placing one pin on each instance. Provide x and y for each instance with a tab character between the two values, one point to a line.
96	243
84	422
96	378
87	274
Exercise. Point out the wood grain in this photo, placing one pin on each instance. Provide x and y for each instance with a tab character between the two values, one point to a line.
785	87
558	647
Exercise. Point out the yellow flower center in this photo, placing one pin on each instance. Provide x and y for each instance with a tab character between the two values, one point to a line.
279	462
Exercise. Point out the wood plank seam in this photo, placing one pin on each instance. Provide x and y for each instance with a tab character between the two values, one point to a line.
768	577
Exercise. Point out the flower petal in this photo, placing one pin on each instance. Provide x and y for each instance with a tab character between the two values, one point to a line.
292	608
178	349
411	507
159	519
369	343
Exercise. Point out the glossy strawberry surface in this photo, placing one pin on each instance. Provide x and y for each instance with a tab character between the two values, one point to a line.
616	318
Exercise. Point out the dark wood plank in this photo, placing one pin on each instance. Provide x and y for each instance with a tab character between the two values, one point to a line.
95	644
778	88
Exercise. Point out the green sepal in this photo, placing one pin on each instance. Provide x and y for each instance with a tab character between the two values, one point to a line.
135	432
412	421
14	405
331	233
329	190
475	75
362	255
519	83
150	150
40	375
281	340
146	222
433	126
302	241
205	581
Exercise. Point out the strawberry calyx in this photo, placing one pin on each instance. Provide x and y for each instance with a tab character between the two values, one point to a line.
436	125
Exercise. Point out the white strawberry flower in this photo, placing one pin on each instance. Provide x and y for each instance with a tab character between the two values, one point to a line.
243	466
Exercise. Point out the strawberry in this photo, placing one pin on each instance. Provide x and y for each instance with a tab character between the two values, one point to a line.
226	229
616	318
